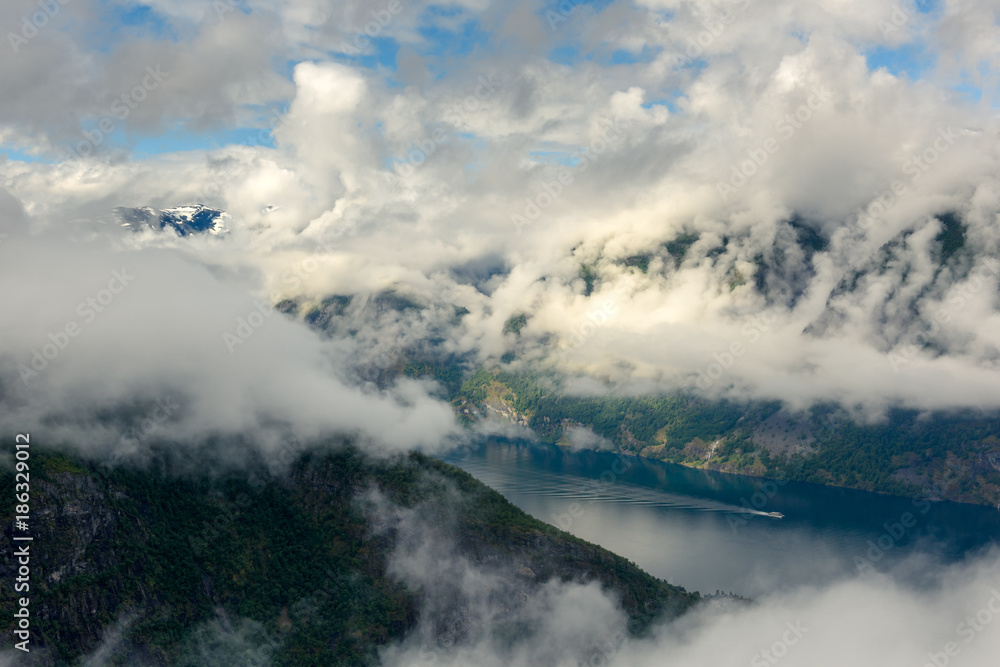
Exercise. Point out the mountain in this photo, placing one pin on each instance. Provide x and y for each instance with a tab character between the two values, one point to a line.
183	220
942	456
164	566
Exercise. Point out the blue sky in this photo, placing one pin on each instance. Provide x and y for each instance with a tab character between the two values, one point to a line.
450	36
910	60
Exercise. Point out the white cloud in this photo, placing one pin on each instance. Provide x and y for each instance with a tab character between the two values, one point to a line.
870	620
90	329
784	85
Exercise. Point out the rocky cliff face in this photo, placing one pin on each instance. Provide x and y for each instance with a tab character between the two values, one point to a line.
154	567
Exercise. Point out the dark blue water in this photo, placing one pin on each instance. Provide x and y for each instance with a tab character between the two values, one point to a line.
707	531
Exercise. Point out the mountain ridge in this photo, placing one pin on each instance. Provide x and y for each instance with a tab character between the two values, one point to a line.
154	566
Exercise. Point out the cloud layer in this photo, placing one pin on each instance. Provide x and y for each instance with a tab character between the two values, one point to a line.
873	620
708	163
101	341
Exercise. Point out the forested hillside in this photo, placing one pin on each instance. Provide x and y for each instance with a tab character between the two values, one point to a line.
953	456
161	566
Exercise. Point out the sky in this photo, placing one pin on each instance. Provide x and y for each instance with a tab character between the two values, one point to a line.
478	155
785	200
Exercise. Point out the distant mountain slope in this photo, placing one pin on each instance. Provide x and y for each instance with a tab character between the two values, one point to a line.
151	568
950	456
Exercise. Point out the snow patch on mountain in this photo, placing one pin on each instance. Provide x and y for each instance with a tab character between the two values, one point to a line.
183	220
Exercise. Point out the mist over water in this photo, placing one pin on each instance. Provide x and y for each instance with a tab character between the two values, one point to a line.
846	578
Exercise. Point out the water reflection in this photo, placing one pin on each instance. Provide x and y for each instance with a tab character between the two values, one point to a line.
708	531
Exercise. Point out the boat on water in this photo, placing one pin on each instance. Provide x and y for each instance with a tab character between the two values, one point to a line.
776	515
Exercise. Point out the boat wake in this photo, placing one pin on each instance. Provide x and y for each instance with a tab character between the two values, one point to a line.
584	489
